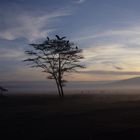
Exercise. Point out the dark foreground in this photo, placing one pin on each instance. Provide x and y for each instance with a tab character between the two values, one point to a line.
85	117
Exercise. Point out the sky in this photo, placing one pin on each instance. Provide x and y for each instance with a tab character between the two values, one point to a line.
108	31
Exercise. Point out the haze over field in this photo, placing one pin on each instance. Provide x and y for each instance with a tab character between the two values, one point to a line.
131	85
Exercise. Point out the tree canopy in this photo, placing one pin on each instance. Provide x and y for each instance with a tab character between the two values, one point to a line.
56	57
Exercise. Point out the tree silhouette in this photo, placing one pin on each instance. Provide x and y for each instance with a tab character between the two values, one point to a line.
2	90
56	57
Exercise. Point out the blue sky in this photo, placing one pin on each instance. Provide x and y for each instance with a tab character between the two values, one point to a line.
108	31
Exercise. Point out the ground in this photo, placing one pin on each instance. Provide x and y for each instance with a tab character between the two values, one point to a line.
87	117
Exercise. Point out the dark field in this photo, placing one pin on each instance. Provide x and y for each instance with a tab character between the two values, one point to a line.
87	117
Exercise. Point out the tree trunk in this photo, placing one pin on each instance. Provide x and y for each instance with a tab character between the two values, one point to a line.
59	77
61	87
58	88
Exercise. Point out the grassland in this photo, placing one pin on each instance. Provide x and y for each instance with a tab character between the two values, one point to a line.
87	117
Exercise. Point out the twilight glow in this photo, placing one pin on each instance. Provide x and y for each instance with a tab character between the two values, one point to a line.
108	32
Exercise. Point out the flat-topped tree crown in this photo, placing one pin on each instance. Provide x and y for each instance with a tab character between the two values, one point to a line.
55	56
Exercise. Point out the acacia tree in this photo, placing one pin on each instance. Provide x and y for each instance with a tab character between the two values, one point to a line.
56	57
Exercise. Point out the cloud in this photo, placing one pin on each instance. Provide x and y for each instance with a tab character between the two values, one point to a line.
19	73
20	24
130	32
13	68
80	1
118	68
11	53
12	49
30	25
112	57
103	72
117	49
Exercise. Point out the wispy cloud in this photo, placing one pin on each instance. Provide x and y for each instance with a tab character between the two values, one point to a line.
18	73
112	57
11	53
20	25
80	1
130	32
30	26
104	72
